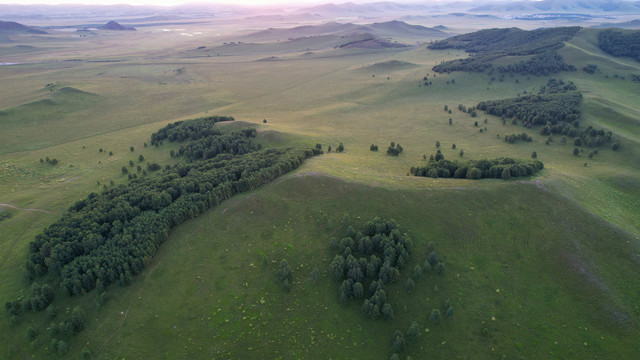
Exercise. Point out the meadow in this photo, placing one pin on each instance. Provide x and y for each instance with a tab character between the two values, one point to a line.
535	268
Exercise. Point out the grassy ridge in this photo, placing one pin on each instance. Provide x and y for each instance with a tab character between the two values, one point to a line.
528	283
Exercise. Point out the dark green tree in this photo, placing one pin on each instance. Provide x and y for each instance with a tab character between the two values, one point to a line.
398	344
414	331
336	268
410	285
435	316
31	333
450	311
387	312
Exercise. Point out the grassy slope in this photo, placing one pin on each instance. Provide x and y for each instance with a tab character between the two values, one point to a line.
562	272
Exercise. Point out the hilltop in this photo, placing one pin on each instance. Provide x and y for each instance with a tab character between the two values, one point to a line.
112	25
10	27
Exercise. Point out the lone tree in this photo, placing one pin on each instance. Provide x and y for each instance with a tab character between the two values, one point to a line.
399	342
435	316
340	148
285	275
534	155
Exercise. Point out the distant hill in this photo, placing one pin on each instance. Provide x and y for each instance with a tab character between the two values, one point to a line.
491	44
559	6
366	41
393	29
10	27
112	25
633	24
390	65
509	41
401	28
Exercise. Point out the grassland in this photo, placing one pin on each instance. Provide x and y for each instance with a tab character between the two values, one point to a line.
550	259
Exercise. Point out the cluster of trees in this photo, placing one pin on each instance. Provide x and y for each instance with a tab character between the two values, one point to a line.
369	260
205	142
236	143
376	254
394	149
512	138
555	108
555	104
399	343
590	68
111	236
504	168
189	130
49	161
618	43
490	44
543	64
373	147
591	137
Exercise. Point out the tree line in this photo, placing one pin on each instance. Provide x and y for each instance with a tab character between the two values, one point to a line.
555	106
490	44
111	236
618	43
501	168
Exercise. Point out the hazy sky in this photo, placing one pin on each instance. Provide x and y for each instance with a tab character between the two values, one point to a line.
175	2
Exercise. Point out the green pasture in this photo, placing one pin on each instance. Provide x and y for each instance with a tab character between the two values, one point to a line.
536	268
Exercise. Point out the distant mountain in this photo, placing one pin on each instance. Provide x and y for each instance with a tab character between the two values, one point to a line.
112	25
10	27
559	6
633	24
